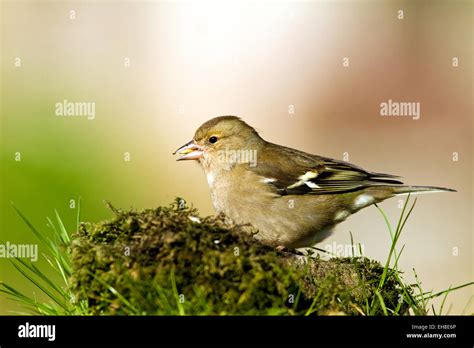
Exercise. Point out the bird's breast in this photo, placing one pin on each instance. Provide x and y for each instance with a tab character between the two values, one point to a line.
211	176
219	188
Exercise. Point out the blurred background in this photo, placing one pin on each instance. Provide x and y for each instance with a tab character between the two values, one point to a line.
309	75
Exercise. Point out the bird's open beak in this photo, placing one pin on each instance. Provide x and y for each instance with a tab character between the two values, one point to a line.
189	151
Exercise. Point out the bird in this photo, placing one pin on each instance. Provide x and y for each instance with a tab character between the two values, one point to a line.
292	199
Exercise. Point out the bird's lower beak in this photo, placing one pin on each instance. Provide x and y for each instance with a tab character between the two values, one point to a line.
189	151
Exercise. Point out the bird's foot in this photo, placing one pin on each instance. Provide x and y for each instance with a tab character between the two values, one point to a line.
280	248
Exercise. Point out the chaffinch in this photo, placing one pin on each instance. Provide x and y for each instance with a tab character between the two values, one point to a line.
293	198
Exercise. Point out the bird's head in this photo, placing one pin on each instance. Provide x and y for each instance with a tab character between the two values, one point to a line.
218	136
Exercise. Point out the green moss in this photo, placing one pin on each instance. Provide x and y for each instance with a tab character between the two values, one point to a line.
169	260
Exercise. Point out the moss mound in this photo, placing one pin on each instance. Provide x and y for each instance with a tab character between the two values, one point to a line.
168	261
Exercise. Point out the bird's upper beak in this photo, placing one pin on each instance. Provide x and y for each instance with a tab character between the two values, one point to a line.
189	151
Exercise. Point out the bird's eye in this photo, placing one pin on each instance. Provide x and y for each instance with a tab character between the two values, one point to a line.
212	139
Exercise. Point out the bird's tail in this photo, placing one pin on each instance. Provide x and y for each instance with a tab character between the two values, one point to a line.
404	190
379	193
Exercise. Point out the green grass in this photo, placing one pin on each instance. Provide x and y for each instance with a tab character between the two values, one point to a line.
61	295
61	300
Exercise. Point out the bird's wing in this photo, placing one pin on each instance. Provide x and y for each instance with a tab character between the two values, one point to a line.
292	172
